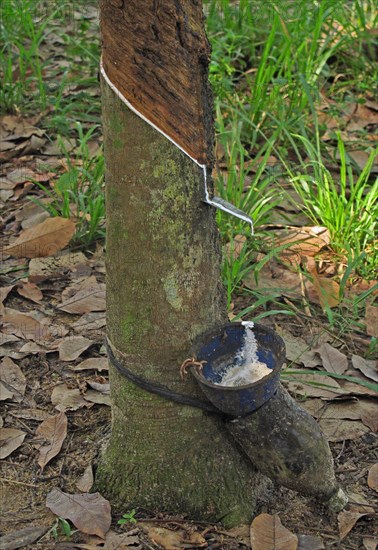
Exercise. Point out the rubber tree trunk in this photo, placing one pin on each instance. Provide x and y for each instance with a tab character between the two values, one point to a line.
163	276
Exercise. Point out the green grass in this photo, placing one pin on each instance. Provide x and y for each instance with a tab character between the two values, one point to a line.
347	206
78	193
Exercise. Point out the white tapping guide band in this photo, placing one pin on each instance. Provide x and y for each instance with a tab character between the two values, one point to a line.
217	202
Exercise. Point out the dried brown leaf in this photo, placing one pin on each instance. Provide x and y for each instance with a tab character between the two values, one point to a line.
296	347
305	241
30	291
93	396
370	418
268	533
313	385
341	430
31	414
350	409
102	388
12	379
65	399
25	326
233	249
54	266
360	157
166	538
4	291
44	239
6	338
5	393
114	541
328	290
370	543
85	482
346	522
90	321
22	537
371	319
93	363
368	368
333	360
54	430
90	513
10	440
373	477
353	388
86	300
358	503
72	347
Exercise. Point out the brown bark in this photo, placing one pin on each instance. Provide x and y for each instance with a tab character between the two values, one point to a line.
156	53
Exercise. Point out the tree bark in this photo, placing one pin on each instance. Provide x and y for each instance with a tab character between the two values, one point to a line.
163	290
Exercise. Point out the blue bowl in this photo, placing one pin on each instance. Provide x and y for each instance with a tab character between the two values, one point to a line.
219	349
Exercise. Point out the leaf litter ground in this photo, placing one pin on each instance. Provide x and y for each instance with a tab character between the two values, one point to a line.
54	393
56	415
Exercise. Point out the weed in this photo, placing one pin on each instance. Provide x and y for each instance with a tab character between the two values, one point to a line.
128	517
348	207
287	374
61	527
78	193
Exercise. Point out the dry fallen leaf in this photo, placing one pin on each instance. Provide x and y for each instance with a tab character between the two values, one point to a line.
333	360
31	414
368	368
303	241
370	418
30	291
312	385
44	239
373	477
22	537
4	291
25	326
371	318
102	388
10	440
346	522
90	321
32	214
85	482
66	399
12	380
115	541
98	398
358	503
352	409
166	538
341	430
370	543
93	363
268	533
328	291
233	249
54	266
90	513
86	300
54	430
296	347
72	347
